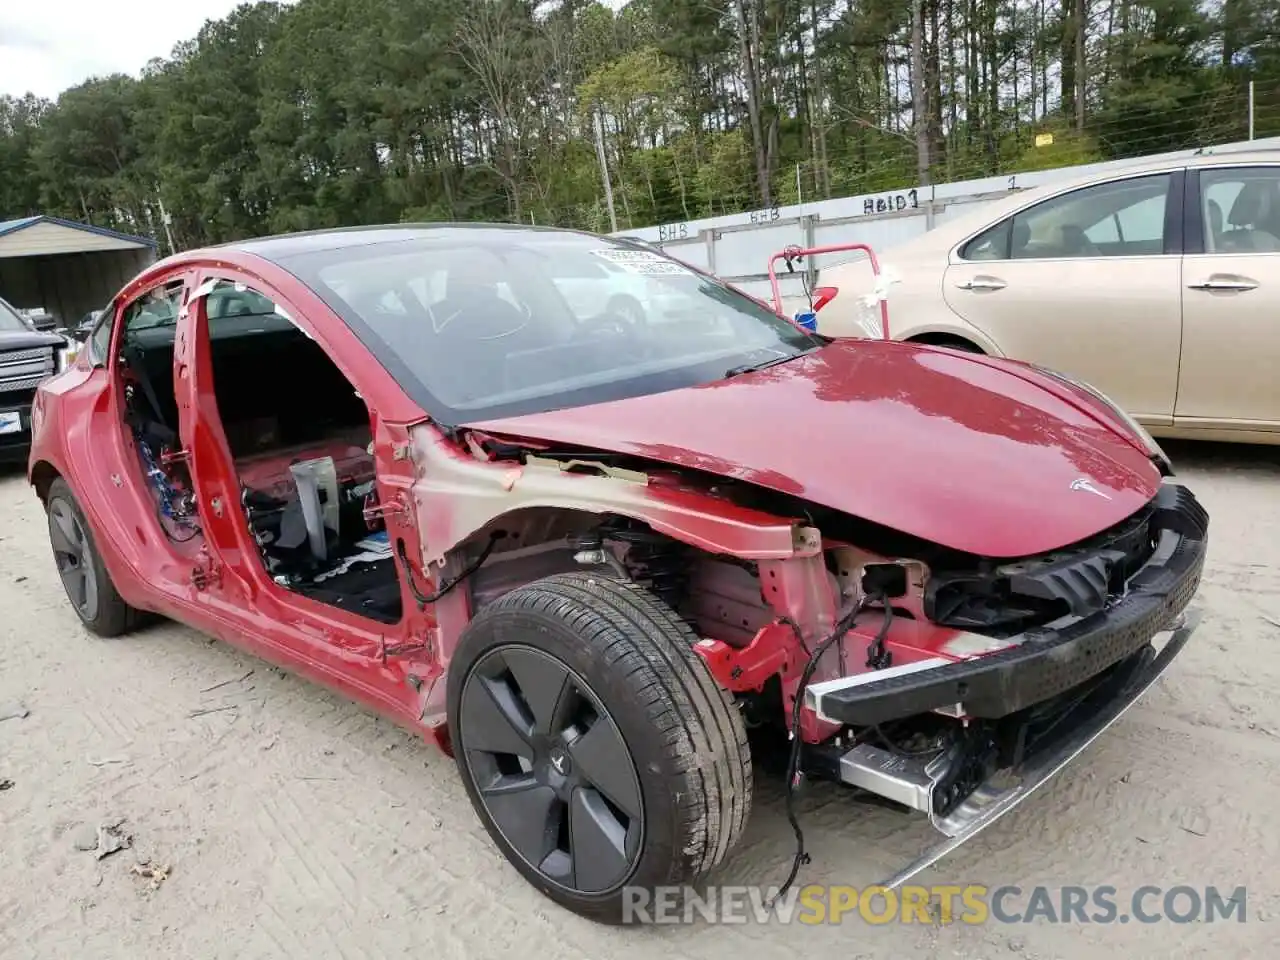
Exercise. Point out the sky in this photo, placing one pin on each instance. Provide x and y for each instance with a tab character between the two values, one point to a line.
49	45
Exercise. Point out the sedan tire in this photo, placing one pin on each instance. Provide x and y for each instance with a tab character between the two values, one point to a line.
596	747
89	588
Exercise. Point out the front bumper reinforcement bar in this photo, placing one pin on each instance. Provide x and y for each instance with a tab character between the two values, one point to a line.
989	803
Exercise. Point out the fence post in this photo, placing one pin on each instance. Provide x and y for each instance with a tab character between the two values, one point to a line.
808	226
1251	112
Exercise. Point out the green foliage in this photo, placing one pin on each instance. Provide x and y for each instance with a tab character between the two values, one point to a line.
332	112
1068	149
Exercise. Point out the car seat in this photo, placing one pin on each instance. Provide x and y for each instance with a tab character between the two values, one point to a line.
1075	243
1215	224
1021	239
1255	205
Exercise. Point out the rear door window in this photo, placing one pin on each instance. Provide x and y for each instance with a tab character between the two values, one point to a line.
1122	218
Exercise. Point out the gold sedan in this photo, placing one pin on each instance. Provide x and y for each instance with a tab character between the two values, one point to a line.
1159	286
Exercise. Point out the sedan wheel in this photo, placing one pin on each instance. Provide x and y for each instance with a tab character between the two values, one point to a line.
595	745
75	554
552	771
70	554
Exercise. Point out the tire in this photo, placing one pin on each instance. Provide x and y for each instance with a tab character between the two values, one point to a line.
676	793
89	588
954	343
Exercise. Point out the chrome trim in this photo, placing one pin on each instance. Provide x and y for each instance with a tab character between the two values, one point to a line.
989	803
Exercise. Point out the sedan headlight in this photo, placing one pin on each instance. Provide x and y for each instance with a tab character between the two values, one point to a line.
1157	454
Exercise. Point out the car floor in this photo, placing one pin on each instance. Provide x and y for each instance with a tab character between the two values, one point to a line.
277	820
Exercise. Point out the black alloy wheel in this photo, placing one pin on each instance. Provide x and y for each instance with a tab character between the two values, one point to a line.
552	770
89	587
71	555
596	747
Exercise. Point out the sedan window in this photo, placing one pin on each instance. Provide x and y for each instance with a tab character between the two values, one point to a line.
1123	218
1241	209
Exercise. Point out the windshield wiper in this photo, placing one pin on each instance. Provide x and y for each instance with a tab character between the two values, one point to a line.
763	364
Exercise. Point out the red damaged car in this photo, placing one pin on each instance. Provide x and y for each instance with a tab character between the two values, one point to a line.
601	558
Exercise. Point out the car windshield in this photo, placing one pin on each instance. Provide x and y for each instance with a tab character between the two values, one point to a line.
478	324
10	322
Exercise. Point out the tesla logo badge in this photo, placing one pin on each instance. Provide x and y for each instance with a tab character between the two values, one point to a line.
1086	485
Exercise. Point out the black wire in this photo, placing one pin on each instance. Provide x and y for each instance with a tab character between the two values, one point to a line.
793	765
877	656
795	628
426	598
195	532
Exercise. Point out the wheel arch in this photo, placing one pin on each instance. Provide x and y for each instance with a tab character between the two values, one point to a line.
953	340
42	475
458	498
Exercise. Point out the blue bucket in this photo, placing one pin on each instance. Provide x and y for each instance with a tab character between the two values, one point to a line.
808	320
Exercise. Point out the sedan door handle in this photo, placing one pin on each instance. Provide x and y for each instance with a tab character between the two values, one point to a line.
983	283
1221	281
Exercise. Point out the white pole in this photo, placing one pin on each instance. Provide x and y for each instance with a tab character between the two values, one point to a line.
604	171
166	220
1250	109
799	194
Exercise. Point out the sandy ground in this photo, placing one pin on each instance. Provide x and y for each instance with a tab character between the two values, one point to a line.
297	824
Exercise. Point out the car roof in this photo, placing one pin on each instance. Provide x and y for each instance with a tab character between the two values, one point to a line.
968	223
1139	166
284	246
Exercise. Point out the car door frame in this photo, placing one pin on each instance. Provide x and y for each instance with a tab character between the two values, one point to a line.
1224	428
158	568
386	666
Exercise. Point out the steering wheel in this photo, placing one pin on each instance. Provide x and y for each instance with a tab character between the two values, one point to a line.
608	325
1076	243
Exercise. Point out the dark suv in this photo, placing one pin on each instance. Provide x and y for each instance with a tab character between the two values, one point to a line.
27	357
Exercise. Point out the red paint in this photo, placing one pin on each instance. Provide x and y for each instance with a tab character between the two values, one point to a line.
974	453
962	451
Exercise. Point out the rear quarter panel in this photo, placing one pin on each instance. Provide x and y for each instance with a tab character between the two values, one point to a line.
79	437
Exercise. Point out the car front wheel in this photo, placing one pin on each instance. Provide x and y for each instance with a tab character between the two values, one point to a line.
597	749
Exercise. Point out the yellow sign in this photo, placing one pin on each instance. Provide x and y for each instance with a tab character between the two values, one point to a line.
1044	139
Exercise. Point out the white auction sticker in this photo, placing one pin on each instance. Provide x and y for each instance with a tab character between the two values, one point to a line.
630	256
664	269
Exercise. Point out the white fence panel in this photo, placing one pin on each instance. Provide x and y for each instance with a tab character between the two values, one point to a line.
738	247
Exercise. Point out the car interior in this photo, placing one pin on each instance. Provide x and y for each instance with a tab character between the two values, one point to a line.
1252	221
1123	219
298	433
473	336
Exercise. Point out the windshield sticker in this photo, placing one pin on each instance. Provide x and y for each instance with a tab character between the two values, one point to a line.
664	268
624	257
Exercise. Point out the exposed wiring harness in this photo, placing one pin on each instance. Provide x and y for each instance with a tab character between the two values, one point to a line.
425	598
878	657
797	745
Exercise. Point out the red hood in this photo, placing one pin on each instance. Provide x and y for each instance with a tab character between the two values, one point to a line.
959	450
